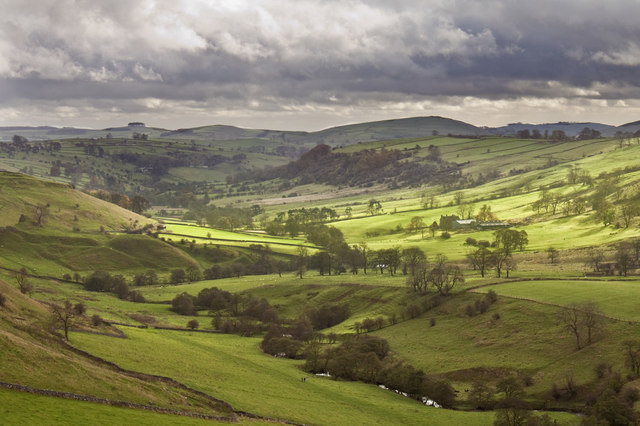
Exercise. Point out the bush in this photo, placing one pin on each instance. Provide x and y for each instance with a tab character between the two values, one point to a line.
3	299
96	320
413	311
445	235
470	310
491	296
193	324
432	322
184	304
481	305
228	327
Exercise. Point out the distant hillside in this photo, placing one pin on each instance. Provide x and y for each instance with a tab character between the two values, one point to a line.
341	135
570	129
364	168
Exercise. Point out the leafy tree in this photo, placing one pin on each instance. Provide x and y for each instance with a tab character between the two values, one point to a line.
193	324
485	214
416	225
139	204
624	258
67	315
178	276
510	239
433	228
184	304
481	395
374	207
412	257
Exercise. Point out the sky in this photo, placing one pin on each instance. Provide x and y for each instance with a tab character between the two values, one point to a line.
309	65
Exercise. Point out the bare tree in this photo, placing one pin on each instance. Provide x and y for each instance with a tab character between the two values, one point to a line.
552	254
579	319
632	355
569	318
67	315
444	276
23	282
40	214
592	319
480	259
595	258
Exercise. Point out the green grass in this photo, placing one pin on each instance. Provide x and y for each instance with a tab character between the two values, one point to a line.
232	368
24	408
527	337
617	299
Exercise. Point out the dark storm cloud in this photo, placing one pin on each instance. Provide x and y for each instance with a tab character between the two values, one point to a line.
163	55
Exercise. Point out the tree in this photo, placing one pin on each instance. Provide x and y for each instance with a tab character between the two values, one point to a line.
580	318
552	254
412	257
184	304
481	395
570	320
485	214
416	225
193	324
510	239
301	261
444	276
178	276
40	214
624	258
433	228
418	278
632	356
374	207
67	315
22	279
139	204
595	258
480	259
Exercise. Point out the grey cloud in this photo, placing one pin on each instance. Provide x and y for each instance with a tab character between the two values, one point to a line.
305	53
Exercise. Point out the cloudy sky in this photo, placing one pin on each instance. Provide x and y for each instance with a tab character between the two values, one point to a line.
307	65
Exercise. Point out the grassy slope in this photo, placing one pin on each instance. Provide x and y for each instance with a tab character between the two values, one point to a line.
233	368
33	357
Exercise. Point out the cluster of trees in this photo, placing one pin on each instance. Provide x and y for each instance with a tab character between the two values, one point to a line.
298	221
367	358
137	204
320	164
626	258
441	276
116	284
501	258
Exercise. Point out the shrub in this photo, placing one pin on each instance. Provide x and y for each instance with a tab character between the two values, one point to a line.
470	310
445	235
470	242
413	311
496	316
481	305
193	324
183	304
432	322
491	296
96	320
3	299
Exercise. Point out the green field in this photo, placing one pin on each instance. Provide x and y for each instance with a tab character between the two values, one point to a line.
616	299
232	368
